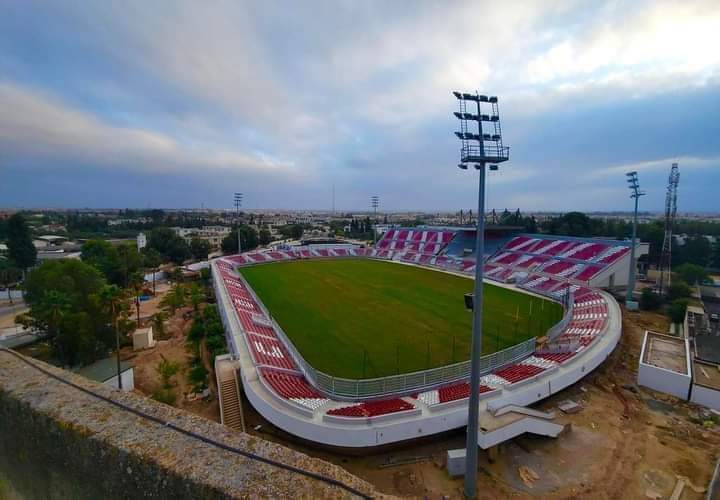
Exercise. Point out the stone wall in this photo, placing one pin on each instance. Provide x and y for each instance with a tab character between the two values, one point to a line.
59	442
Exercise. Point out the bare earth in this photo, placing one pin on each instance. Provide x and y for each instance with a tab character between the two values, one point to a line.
174	348
627	442
605	455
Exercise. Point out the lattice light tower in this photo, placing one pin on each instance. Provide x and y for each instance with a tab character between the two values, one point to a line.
670	213
635	193
478	149
375	203
237	200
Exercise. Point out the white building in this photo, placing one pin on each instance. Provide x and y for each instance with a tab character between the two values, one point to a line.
141	241
212	234
105	372
665	365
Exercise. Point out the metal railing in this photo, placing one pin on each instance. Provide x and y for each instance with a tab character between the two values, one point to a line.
352	389
339	388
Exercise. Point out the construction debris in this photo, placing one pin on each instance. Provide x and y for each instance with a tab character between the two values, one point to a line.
569	406
528	475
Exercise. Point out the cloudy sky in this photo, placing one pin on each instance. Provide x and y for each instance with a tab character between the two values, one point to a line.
178	104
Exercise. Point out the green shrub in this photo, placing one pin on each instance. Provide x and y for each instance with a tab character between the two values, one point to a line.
676	311
165	395
678	290
197	376
649	300
167	369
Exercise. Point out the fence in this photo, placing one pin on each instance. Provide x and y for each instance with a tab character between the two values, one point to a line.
352	389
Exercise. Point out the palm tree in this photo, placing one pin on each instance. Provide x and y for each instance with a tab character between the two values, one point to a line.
158	320
137	280
112	299
175	298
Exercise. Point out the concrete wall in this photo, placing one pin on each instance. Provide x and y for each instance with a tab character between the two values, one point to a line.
128	380
665	381
58	442
660	379
705	396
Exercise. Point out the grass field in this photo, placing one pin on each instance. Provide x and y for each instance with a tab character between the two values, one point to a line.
361	318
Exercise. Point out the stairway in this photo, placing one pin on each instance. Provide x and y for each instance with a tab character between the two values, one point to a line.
228	392
229	404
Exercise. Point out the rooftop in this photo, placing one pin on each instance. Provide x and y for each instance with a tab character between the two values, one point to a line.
103	369
706	374
707	348
665	352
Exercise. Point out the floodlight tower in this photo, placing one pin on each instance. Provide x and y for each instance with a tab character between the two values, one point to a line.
634	186
375	202
238	203
478	149
670	213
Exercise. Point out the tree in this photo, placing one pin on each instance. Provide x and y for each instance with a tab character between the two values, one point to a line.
130	262
168	244
696	250
64	306
676	311
649	300
196	297
112	300
152	260
248	238
136	283
167	370
692	273
716	253
175	298
678	290
54	306
103	256
264	236
200	248
158	322
19	242
9	274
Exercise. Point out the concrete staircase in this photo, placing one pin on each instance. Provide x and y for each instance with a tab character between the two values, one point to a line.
228	394
511	421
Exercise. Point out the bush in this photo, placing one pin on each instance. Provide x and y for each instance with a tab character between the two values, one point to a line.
649	300
678	290
676	311
166	396
167	369
197	376
692	273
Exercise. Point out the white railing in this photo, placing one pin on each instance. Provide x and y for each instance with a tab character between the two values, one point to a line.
339	388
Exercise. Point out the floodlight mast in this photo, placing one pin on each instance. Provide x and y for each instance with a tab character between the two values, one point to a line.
375	202
238	203
636	193
479	149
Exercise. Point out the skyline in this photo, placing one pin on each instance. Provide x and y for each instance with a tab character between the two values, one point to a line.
167	105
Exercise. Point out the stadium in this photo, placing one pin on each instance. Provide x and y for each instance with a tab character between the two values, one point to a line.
358	347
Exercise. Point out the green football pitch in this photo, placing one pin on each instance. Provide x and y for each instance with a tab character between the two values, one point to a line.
362	318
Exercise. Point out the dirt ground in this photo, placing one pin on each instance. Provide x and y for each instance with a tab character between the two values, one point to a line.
147	380
627	442
9	312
